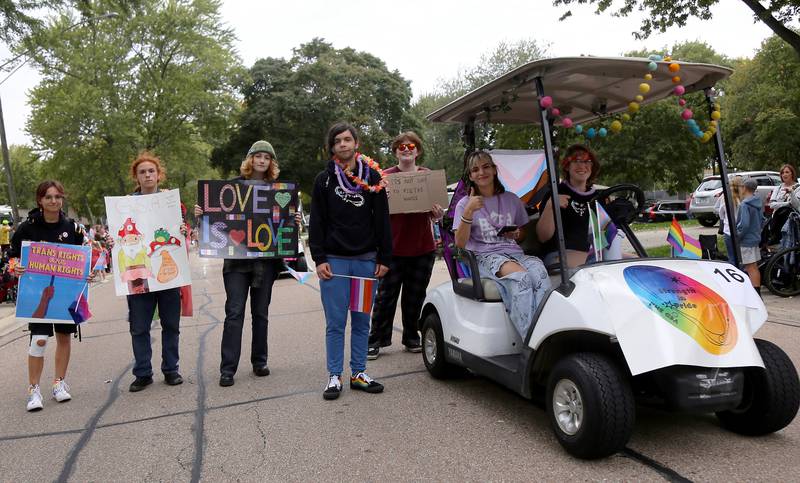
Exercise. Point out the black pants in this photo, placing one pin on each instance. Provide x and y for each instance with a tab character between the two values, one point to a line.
412	274
237	284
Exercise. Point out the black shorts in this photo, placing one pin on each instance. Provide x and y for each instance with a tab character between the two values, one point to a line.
47	329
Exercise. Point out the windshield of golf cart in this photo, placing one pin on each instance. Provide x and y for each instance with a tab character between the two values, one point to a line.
592	97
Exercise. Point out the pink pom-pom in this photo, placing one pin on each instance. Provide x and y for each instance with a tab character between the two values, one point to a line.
546	102
555	111
679	90
687	114
566	122
682	102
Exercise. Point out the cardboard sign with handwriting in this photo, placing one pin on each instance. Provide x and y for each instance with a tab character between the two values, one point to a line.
416	192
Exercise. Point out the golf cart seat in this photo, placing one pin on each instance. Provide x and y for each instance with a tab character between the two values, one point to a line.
467	281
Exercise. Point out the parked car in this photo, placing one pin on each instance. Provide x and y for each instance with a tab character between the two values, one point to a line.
705	196
664	210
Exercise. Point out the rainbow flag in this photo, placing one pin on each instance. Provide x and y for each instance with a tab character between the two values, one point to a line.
683	245
362	294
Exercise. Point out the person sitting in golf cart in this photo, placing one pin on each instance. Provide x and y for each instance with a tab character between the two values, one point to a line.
489	222
580	168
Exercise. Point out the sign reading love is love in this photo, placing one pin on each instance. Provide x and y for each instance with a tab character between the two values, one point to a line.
247	219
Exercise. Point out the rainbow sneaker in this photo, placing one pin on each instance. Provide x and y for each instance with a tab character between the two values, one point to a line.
363	382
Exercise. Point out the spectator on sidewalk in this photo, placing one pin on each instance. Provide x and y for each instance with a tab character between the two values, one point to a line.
748	229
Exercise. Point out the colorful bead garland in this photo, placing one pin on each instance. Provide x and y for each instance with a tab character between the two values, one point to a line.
546	102
357	179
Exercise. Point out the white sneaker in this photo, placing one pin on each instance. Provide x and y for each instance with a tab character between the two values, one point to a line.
34	398
61	391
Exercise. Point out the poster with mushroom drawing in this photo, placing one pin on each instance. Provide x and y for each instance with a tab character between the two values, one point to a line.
149	251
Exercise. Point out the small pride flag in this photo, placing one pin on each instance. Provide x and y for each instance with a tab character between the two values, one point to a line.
362	292
79	309
683	245
299	276
101	263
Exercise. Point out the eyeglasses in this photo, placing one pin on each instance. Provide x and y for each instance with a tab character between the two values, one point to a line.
406	147
581	161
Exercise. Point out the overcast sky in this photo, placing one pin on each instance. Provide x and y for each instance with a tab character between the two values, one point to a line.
432	39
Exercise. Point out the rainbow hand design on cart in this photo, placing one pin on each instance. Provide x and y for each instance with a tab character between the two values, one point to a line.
686	304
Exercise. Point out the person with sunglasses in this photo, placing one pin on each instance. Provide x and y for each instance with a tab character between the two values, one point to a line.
413	254
579	170
490	223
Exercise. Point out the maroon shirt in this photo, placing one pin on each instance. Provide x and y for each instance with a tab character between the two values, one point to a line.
412	233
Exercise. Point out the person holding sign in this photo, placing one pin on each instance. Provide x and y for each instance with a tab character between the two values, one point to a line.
47	223
255	275
148	172
489	223
413	254
350	239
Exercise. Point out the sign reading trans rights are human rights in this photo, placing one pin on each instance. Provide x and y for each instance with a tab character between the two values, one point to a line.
247	219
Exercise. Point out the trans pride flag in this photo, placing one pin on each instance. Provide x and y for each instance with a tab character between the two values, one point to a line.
604	231
683	245
362	294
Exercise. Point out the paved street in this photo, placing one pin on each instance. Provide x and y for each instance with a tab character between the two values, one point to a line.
280	428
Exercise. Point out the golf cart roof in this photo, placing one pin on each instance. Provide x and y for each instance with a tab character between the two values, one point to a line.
583	88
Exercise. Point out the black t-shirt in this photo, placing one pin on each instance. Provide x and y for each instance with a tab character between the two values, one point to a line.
575	218
65	230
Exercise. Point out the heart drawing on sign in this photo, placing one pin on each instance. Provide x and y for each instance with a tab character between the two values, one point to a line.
283	198
236	236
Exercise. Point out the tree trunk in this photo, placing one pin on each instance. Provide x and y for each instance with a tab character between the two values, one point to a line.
788	35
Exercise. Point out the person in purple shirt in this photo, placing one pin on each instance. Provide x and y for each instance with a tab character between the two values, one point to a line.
490	222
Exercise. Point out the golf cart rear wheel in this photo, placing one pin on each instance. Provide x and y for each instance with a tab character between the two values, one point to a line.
590	405
771	395
707	222
433	351
782	272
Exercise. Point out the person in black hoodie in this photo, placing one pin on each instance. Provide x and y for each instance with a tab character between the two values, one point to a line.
256	276
47	223
349	236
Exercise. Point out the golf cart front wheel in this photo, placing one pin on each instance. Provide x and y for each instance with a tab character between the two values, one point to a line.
771	395
590	405
433	349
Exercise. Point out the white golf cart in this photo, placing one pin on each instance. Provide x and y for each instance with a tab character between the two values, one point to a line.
675	333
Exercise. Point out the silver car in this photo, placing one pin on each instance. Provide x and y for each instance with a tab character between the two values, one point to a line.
705	196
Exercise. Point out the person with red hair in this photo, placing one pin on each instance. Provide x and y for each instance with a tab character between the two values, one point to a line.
576	189
147	172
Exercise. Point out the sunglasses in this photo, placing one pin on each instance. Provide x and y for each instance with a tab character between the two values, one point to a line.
407	147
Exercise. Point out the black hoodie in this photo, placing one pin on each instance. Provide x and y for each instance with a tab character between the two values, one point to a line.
65	230
348	224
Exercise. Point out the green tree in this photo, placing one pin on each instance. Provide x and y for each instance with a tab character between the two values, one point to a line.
160	77
293	102
662	14
17	19
26	167
761	109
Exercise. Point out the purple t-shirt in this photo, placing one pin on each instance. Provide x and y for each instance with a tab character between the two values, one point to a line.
498	211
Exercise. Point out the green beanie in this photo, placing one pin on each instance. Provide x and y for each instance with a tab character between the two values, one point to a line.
262	147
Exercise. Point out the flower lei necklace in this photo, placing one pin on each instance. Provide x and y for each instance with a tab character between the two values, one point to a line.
352	183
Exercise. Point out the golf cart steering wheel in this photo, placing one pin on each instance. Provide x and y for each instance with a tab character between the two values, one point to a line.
623	202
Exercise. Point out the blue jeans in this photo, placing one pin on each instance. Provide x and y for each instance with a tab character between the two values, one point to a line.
336	302
141	308
729	248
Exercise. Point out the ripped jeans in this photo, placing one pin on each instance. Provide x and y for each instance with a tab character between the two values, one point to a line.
522	292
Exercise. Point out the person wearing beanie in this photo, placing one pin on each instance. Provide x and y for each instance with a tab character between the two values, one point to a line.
748	228
255	276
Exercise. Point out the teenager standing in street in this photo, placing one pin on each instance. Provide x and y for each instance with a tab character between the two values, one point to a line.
349	236
413	254
256	276
47	223
148	172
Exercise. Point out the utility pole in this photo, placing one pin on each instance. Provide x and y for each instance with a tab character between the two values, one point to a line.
12	192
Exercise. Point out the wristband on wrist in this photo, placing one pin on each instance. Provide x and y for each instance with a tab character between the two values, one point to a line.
466	220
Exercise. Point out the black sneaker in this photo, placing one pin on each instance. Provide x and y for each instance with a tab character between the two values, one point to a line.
140	383
414	347
334	388
363	382
226	380
261	371
173	379
373	353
